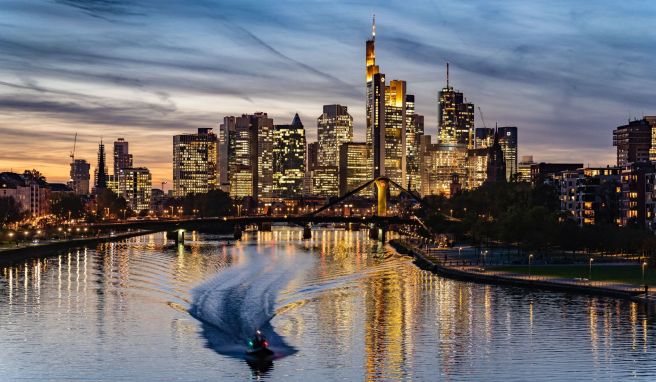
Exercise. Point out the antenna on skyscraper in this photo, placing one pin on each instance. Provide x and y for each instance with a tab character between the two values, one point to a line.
447	75
373	28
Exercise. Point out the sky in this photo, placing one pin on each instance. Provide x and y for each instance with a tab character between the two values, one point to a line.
566	73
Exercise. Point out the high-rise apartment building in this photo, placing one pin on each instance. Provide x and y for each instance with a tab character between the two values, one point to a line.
334	127
80	177
194	162
122	156
508	142
633	141
455	116
354	167
289	159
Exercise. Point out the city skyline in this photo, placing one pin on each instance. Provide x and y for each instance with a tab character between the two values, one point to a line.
153	83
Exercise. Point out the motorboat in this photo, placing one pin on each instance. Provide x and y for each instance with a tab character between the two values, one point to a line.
258	346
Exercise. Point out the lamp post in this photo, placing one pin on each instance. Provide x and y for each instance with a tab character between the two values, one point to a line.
590	270
644	264
530	263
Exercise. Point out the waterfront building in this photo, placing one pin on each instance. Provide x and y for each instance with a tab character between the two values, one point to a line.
194	162
80	177
590	195
122	157
508	142
334	128
238	156
32	195
440	162
100	173
354	167
263	125
289	159
455	116
135	185
633	141
637	191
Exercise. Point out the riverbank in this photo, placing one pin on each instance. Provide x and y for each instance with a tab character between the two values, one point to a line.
16	255
499	277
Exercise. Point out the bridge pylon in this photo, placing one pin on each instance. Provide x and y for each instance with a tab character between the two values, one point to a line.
382	188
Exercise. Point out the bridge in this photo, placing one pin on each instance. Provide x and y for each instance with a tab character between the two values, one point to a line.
379	223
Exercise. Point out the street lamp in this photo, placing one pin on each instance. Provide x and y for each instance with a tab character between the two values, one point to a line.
644	264
530	257
590	270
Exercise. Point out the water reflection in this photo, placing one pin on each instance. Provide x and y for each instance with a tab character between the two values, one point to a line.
352	308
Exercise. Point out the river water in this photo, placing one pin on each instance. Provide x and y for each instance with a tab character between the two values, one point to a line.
337	307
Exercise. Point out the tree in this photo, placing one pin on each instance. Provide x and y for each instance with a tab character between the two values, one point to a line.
66	206
10	211
108	202
34	175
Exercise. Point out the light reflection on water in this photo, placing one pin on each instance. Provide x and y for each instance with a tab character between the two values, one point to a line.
351	308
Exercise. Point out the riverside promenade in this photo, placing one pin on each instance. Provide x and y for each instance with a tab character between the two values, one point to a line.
440	264
27	251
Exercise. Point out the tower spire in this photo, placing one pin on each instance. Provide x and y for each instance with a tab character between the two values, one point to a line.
373	28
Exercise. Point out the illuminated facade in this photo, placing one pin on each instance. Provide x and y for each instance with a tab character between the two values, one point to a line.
264	128
637	194
508	142
334	127
135	185
122	156
375	97
238	156
354	167
80	177
633	141
194	162
414	131
455	116
392	150
591	195
476	167
325	181
440	165
524	169
289	159
483	137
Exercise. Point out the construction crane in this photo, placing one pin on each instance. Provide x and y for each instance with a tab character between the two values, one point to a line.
72	155
482	119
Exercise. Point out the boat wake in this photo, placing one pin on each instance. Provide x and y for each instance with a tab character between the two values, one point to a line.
238	301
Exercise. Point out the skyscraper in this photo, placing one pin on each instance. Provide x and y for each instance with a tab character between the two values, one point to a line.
455	116
334	127
392	150
373	98
194	162
264	127
414	131
289	159
508	142
80	176
100	174
122	157
354	167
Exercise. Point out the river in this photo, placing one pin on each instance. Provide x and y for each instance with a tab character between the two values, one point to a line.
337	307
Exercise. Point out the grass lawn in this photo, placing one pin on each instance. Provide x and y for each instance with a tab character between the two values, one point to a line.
630	274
